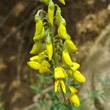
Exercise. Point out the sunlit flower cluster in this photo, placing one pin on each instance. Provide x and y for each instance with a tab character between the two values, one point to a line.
44	49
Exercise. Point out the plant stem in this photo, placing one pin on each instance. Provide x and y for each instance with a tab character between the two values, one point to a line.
54	56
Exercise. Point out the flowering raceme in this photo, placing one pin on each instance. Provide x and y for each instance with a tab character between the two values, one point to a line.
47	46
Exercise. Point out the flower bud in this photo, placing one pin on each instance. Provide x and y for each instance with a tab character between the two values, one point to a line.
62	1
58	16
49	48
75	100
34	65
70	46
78	77
66	58
60	73
36	48
44	67
62	32
39	36
51	9
39	24
72	89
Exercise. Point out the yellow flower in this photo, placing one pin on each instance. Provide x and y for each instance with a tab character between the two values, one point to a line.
78	77
70	73
66	58
75	100
51	9
62	1
36	48
49	48
60	73
59	83
70	46
58	16
39	26
39	58
34	65
72	89
62	31
75	66
44	67
39	36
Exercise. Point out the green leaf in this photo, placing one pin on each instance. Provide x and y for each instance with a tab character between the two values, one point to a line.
82	101
68	80
35	88
102	97
100	80
67	107
55	107
53	95
75	85
95	94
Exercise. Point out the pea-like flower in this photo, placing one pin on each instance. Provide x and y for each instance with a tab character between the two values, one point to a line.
39	58
44	67
75	66
62	1
66	58
36	47
60	73
75	100
51	9
58	16
78	77
49	48
59	83
39	25
70	46
73	97
34	65
39	36
62	32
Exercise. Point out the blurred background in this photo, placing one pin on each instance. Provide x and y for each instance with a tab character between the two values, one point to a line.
88	23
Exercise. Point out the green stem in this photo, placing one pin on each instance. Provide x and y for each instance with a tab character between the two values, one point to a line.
54	56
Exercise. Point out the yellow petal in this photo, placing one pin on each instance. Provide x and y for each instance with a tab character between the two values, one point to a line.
70	46
39	26
39	36
60	73
39	58
75	66
72	89
57	85
34	65
51	9
62	32
58	16
44	67
49	48
78	77
62	1
66	58
36	48
63	86
75	100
